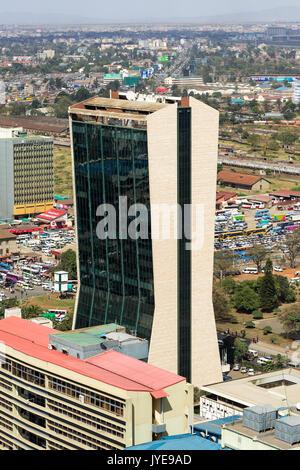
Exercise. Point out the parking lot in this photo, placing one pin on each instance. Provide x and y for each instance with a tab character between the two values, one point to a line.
27	274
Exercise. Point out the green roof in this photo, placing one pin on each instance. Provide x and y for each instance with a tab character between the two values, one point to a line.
88	336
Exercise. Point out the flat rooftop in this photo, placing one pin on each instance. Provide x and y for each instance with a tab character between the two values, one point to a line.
88	336
111	367
123	105
277	388
267	437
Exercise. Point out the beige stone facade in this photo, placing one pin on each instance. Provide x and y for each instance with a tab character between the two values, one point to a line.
163	176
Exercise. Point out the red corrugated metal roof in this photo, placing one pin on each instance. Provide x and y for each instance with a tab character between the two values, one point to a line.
111	367
141	372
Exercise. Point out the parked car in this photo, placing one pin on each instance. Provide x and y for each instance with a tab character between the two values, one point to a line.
244	370
226	378
251	372
236	367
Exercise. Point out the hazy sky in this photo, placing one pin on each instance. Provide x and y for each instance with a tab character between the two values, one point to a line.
141	9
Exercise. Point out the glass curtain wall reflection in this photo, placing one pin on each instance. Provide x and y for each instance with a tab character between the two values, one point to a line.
116	275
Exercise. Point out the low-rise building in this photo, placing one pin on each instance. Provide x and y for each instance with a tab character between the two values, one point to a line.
50	400
263	428
224	198
8	242
242	180
278	388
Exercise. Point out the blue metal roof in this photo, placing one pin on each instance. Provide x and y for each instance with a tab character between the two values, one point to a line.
214	427
179	442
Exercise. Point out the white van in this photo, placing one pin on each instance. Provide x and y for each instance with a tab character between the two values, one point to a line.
250	271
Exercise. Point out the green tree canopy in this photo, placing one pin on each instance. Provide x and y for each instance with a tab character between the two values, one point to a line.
267	289
221	304
246	299
67	263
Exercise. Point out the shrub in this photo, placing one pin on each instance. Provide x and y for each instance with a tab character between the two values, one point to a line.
274	340
234	320
257	315
267	330
250	324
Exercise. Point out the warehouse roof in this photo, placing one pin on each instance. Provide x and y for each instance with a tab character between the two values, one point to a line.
111	367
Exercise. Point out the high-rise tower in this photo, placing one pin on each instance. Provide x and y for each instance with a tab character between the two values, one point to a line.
162	156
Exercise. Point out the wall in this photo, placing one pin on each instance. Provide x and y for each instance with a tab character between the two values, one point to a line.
6	179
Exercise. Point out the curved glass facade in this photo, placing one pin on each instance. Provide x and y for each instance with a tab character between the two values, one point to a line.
116	275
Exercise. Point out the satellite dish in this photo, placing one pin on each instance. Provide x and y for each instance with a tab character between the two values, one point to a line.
298	406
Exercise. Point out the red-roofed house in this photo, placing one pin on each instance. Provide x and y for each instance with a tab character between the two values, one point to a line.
223	198
51	400
242	180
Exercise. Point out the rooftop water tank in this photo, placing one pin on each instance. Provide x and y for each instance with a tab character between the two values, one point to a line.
260	417
288	429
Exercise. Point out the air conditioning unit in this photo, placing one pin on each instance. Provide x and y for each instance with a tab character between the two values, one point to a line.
81	398
50	346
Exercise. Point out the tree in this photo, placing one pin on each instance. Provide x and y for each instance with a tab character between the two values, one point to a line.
31	311
267	289
7	303
240	349
175	90
17	109
223	263
246	299
65	325
35	104
290	320
67	263
81	95
267	329
253	140
219	167
221	304
258	254
292	247
285	292
228	285
62	106
287	138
